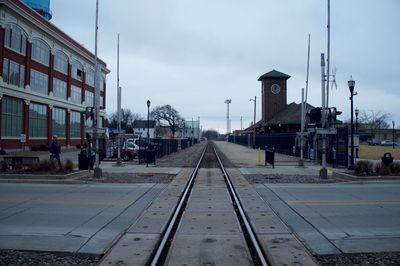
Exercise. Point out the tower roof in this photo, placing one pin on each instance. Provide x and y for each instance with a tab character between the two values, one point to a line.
274	75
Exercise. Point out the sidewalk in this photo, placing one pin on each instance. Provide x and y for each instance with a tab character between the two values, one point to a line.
251	161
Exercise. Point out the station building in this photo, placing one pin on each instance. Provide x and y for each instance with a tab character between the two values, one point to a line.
47	80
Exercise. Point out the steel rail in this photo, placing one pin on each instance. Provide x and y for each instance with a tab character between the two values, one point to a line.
250	231
183	199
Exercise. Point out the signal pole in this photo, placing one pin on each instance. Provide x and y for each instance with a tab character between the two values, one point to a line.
323	173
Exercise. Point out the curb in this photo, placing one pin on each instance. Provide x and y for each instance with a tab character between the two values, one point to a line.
351	177
66	178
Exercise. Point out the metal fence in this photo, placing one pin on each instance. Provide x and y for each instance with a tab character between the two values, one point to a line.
285	143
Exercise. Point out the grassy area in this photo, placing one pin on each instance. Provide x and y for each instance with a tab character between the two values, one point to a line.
376	152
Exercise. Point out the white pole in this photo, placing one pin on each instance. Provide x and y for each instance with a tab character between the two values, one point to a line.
308	66
302	127
119	108
328	58
97	170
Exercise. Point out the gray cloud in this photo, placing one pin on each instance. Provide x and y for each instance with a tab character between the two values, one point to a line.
195	54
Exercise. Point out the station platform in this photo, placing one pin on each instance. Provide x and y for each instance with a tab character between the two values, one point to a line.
252	161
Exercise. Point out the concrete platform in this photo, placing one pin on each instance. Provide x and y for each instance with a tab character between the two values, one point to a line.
85	218
247	160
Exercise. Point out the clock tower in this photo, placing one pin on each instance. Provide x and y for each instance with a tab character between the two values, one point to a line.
273	93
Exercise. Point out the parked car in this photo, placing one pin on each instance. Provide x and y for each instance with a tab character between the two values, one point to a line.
127	152
374	142
388	143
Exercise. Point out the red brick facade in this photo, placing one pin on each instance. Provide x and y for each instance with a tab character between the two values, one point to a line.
80	53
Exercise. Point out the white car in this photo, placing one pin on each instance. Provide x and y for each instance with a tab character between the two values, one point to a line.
136	143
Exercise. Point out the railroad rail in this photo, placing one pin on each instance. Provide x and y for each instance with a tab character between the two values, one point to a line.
253	245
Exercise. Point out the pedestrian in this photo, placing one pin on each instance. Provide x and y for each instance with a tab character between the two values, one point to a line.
91	156
55	150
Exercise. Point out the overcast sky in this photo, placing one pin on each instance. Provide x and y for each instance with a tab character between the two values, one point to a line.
195	54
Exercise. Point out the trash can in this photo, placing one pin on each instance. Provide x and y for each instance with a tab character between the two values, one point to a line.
83	160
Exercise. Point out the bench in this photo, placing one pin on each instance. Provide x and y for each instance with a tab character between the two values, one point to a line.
22	160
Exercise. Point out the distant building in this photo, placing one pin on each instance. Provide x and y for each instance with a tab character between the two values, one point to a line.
140	128
277	115
47	80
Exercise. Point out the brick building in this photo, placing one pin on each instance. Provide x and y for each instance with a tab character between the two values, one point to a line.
47	80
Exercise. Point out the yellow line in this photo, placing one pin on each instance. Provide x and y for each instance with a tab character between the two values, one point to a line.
343	202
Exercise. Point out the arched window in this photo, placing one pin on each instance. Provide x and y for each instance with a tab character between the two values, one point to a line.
61	62
15	38
40	52
77	70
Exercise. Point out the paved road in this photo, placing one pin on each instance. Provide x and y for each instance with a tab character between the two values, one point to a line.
70	218
346	217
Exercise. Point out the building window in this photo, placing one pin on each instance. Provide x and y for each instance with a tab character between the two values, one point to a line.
77	70
101	101
75	124
40	52
59	123
59	89
37	120
13	73
89	98
15	39
90	77
88	122
11	117
39	82
76	94
61	62
102	84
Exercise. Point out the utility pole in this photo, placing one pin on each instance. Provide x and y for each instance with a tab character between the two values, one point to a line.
254	122
97	169
228	128
323	173
119	163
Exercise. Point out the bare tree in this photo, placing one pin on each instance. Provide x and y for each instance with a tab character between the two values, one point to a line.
210	134
167	115
127	118
374	120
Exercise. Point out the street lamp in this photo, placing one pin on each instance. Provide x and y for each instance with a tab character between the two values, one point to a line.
148	133
254	122
351	84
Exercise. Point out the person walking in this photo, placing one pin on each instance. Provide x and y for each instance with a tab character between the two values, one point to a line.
55	150
91	156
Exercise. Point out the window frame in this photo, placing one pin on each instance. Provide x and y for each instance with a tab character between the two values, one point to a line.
34	81
10	39
59	114
38	128
11	118
58	54
40	49
75	69
75	125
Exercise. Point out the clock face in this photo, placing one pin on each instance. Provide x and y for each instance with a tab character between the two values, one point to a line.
275	89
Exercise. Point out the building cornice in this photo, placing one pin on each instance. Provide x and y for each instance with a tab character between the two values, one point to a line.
36	19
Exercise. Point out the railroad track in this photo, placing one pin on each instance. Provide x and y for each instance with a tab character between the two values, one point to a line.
231	239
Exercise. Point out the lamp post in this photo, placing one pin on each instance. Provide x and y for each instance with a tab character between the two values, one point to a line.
254	122
351	84
148	133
